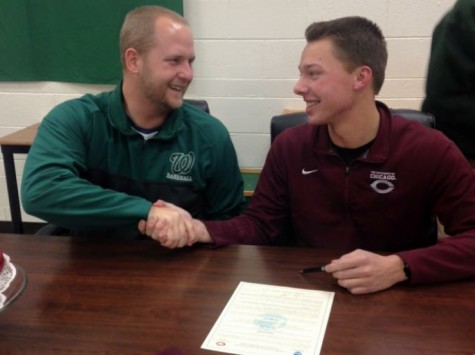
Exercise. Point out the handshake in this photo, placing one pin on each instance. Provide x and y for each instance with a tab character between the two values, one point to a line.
359	271
173	227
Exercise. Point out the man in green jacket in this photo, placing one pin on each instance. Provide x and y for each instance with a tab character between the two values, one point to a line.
450	86
99	162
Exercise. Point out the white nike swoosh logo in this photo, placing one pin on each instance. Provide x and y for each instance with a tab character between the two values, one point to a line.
306	172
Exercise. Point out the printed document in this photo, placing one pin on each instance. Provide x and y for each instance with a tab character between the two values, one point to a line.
265	319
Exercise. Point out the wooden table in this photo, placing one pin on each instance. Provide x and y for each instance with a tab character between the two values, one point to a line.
20	142
96	297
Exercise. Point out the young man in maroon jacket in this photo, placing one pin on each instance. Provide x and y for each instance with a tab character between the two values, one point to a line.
354	178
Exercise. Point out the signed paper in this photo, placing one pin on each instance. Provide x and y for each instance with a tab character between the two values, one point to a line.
265	319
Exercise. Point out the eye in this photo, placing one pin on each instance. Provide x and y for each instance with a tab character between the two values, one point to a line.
174	61
308	74
313	74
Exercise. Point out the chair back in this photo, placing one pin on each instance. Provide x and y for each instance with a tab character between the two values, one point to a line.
280	123
201	104
427	119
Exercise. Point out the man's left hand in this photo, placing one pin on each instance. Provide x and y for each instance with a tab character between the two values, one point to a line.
364	272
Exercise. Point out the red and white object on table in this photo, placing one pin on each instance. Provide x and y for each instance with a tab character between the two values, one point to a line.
12	281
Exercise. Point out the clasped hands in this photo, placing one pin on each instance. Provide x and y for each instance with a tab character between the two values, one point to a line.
359	271
172	226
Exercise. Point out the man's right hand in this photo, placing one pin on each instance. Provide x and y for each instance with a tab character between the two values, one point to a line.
172	226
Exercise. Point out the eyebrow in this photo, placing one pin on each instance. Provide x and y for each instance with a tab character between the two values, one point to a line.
309	66
181	57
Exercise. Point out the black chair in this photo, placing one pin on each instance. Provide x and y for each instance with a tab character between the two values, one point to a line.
427	119
281	122
201	104
51	229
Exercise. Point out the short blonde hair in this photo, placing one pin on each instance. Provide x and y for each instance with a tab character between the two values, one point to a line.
138	28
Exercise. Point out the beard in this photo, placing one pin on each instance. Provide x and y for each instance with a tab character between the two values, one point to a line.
160	94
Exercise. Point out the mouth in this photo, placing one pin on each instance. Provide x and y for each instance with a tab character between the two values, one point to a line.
178	88
311	104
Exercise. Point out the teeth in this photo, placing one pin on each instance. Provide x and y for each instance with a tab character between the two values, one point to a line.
177	88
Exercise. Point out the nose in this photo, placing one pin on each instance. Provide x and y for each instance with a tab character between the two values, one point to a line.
186	71
299	87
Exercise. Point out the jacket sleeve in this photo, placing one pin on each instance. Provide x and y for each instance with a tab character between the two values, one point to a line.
52	187
225	187
453	190
266	220
451	71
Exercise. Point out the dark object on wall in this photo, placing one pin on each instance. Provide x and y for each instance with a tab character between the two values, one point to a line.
67	41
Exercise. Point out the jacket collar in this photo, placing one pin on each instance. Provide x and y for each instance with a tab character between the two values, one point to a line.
118	118
379	149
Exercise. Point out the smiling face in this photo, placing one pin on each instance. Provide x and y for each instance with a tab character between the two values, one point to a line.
165	71
326	84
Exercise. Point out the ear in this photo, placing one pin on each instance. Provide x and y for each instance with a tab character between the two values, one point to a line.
363	77
131	60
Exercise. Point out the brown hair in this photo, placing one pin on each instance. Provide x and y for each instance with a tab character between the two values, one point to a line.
138	28
357	41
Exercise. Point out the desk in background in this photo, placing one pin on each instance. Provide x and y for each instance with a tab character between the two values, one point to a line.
250	178
20	142
91	296
16	143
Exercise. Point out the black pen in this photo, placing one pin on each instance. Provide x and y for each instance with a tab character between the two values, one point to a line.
312	269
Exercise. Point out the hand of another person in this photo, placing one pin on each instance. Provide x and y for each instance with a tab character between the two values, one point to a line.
172	226
364	272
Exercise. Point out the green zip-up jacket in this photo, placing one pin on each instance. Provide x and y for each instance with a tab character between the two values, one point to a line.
450	86
88	170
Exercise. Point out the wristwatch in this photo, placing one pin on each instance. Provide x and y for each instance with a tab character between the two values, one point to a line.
407	272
